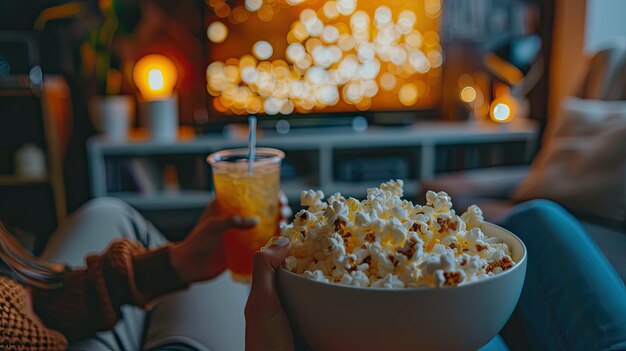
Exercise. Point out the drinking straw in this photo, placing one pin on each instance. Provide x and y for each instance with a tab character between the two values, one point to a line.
251	142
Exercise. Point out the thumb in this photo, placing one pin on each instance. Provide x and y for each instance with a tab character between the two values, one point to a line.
266	261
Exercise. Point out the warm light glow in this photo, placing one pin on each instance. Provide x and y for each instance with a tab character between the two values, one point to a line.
432	7
265	13
346	7
222	10
330	34
382	16
413	39
330	10
239	15
406	21
253	5
155	76
468	94
503	69
217	32
503	109
343	53
155	79
408	94
501	112
262	50
388	81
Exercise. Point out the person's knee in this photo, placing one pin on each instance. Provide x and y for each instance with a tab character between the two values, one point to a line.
105	206
535	209
529	219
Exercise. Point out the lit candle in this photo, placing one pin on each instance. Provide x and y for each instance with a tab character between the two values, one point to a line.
155	76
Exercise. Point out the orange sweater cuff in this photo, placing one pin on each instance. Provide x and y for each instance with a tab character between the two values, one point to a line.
155	275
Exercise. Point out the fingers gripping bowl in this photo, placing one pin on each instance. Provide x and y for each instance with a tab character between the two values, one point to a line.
381	281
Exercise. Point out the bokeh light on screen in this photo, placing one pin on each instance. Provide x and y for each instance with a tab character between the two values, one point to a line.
285	56
262	50
217	32
408	94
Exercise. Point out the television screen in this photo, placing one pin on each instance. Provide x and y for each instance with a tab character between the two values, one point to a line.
307	56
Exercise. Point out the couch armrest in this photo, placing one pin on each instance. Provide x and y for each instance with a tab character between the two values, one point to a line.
492	183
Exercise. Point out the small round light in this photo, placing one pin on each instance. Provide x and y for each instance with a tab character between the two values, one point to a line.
413	39
408	94
359	124
262	50
433	8
359	21
388	81
222	10
253	5
431	38
265	13
282	126
346	7
346	42
435	58
501	112
330	34
382	15
468	94
330	10
295	52
299	31
239	15
308	17
366	52
217	32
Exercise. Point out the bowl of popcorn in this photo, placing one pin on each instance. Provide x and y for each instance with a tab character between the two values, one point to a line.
386	274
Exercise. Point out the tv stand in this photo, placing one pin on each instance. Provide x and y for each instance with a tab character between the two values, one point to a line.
297	125
348	162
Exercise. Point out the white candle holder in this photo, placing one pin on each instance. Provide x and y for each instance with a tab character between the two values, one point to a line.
161	118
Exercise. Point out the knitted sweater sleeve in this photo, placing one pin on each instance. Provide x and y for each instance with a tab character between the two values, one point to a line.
90	298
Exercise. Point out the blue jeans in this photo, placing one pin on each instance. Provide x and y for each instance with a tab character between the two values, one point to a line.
572	298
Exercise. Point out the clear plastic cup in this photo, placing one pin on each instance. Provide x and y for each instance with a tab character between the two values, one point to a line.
239	192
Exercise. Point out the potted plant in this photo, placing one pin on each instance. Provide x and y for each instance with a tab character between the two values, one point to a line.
111	112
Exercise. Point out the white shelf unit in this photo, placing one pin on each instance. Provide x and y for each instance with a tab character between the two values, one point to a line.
421	137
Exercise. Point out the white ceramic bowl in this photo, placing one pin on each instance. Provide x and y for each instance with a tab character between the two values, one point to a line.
335	317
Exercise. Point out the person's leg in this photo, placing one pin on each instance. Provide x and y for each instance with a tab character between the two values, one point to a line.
572	298
90	230
94	226
496	344
207	316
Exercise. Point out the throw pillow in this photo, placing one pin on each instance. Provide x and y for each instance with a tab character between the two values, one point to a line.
582	164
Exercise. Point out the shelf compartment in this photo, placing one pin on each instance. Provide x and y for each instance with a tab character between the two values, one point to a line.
461	157
372	165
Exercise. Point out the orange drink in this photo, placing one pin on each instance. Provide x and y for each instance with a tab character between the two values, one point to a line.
244	193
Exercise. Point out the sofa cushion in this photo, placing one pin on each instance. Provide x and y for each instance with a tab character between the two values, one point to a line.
582	165
605	77
612	243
